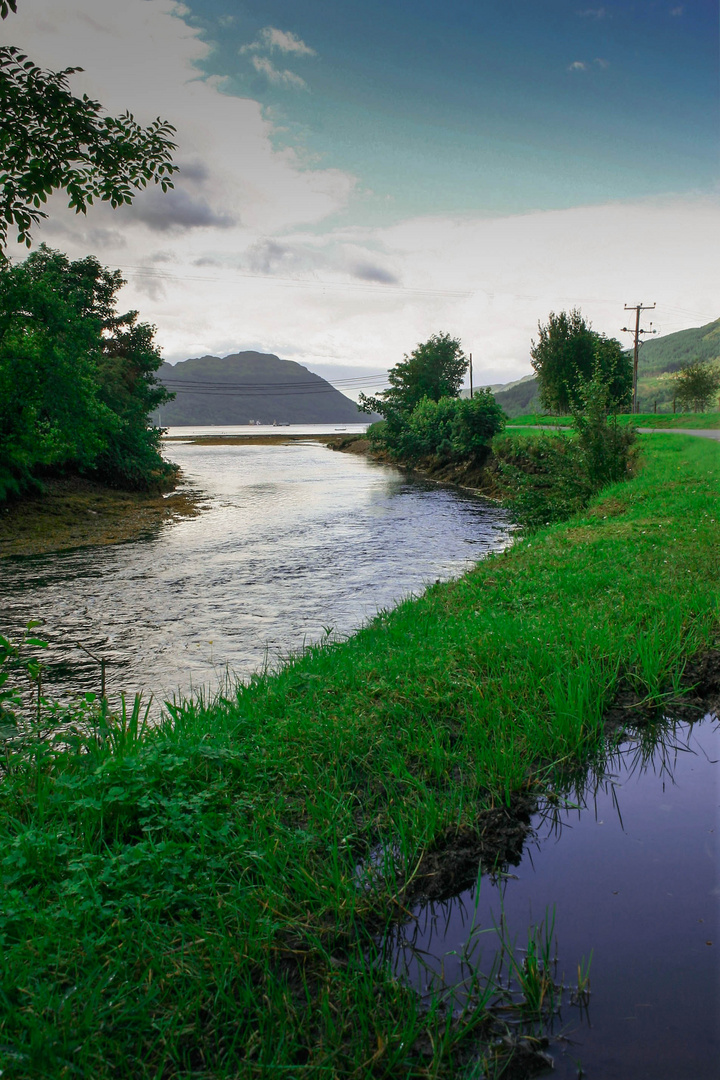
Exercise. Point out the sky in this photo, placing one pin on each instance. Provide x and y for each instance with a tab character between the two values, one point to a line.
356	177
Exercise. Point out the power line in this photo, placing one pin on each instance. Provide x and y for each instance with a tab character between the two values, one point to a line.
209	384
239	392
149	272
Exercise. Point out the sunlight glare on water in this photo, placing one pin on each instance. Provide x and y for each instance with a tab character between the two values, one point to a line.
295	540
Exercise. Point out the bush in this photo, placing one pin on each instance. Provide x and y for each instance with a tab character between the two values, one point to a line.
541	478
549	478
696	384
451	429
605	446
477	422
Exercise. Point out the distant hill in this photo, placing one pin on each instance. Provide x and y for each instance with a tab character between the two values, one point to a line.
518	398
658	359
250	386
669	353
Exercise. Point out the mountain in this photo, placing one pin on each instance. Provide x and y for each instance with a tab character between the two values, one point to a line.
249	386
660	357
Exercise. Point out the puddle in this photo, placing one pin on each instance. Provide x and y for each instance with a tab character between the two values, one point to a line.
629	874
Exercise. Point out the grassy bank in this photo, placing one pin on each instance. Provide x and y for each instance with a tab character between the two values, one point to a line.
700	421
186	902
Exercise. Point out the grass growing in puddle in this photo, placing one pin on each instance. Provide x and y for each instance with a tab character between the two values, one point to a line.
184	902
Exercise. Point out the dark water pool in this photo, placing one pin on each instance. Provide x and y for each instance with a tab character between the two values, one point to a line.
631	874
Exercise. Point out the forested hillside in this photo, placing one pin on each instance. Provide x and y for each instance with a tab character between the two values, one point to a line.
670	352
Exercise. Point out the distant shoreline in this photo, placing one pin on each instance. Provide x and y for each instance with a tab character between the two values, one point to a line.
258	440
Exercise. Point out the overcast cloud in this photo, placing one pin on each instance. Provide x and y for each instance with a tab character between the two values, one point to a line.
259	244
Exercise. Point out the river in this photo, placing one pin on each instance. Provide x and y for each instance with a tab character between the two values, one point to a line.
294	541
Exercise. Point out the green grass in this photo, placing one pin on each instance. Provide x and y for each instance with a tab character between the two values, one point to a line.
184	902
702	421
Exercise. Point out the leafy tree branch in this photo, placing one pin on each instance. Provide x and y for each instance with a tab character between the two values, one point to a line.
52	141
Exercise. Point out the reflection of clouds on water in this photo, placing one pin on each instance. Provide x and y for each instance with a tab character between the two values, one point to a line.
295	538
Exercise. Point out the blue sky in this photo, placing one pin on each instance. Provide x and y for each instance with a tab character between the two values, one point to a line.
482	107
356	177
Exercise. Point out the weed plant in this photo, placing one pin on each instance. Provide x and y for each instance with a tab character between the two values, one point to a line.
183	901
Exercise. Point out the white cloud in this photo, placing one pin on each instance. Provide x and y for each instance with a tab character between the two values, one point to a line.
285	41
271	40
601	63
577	65
677	11
594	13
285	78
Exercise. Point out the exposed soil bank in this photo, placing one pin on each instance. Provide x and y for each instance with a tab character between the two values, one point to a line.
74	512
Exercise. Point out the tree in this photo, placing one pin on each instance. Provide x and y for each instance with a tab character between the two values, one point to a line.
696	384
434	370
566	356
51	141
77	379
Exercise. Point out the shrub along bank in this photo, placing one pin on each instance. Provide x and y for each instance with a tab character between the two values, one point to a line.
187	902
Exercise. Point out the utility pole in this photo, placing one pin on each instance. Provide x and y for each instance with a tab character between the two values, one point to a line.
637	308
471	386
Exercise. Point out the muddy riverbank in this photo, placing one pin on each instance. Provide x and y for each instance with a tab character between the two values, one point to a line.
74	512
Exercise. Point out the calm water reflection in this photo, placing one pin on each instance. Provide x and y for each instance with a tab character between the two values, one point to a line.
296	539
632	875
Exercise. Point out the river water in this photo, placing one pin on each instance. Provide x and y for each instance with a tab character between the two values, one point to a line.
295	540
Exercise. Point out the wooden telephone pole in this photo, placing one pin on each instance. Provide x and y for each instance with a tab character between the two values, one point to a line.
637	308
471	385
